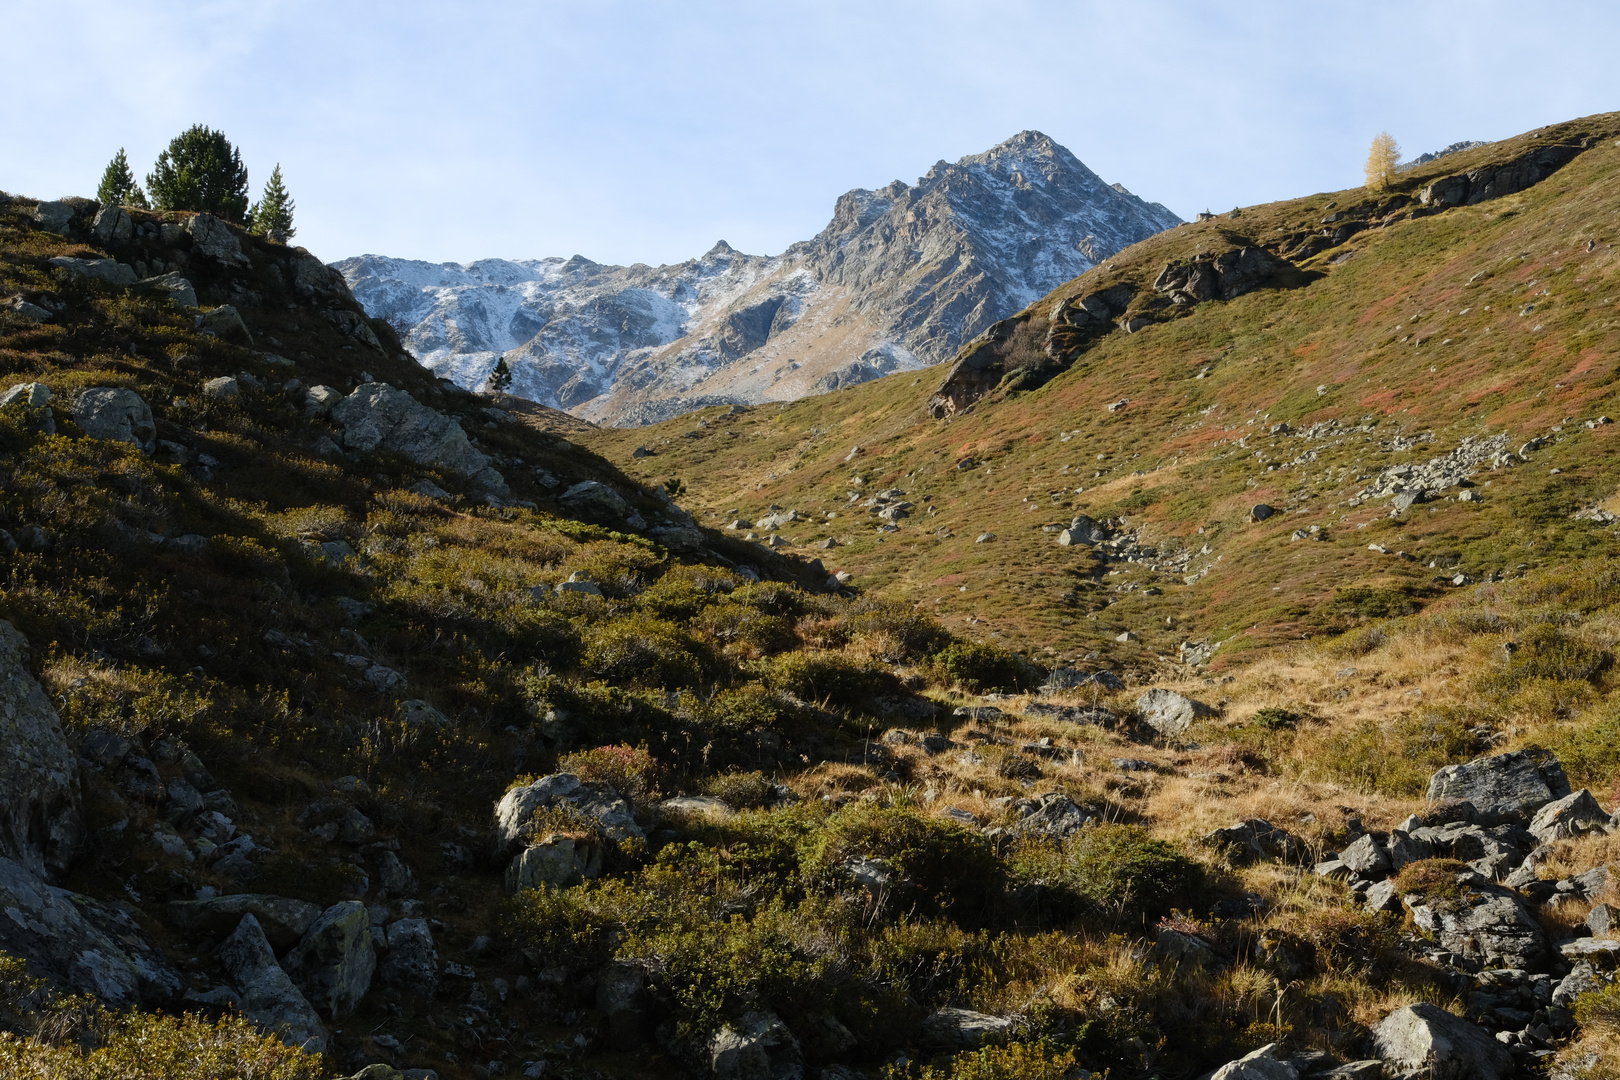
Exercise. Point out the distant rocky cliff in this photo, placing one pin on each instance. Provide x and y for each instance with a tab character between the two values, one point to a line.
898	280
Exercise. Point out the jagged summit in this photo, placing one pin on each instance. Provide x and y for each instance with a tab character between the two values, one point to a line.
900	277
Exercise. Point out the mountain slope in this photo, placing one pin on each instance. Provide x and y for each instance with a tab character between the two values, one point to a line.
1386	336
898	279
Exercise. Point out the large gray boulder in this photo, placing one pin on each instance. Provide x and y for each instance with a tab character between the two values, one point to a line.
106	412
268	996
178	287
559	861
225	323
378	416
1262	1064
1169	713
109	270
1255	839
54	215
112	225
40	822
950	1030
1503	787
1425	1040
412	964
1573	815
598	502
79	944
284	921
518	806
1488	922
757	1047
334	961
212	237
1053	816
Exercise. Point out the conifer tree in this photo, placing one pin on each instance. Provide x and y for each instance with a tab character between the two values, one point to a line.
500	380
275	209
201	171
118	186
1381	161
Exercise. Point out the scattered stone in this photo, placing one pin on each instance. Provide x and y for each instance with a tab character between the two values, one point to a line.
113	413
699	806
1053	815
1365	857
984	538
1260	512
269	997
1169	713
180	289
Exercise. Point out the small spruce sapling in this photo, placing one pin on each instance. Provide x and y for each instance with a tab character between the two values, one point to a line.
1382	159
273	213
118	186
500	380
200	171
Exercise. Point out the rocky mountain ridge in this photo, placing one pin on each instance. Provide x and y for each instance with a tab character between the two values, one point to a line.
898	280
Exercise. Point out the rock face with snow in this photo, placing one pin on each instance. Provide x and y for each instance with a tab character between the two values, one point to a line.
898	280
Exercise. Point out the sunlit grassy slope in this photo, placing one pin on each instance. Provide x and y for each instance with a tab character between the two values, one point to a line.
1391	347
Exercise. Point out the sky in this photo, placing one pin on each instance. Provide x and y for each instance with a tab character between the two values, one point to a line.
645	131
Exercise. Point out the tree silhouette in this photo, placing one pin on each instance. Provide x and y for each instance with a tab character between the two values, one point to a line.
274	211
201	171
118	186
500	380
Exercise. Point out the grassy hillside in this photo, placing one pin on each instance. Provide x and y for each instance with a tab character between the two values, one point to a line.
1388	348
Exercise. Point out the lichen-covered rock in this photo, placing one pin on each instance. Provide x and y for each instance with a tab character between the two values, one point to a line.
1054	816
757	1047
111	271
212	237
178	287
1573	815
334	961
268	995
79	944
225	323
559	861
40	823
106	412
1254	839
412	963
950	1030
1485	921
1503	787
378	416
112	225
517	807
1425	1040
1262	1064
1169	713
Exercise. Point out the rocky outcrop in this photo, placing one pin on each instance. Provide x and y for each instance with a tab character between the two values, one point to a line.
1488	923
1503	787
1054	816
334	961
282	920
1573	815
213	238
1494	181
104	412
596	501
1254	840
380	417
758	1046
79	944
268	996
1425	1040
40	823
1223	276
111	271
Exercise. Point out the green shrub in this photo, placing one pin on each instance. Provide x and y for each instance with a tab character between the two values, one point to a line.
1590	749
576	928
740	790
933	865
1274	718
980	666
642	651
819	676
740	628
1369	603
1433	879
1015	1061
1396	757
1116	872
682	593
629	770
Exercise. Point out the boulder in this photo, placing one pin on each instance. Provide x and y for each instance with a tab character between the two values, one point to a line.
412	964
1503	787
1365	857
621	998
111	271
950	1030
54	216
353	324
1381	897
225	323
379	417
1262	1064
212	237
318	400
1488	922
112	225
223	388
1169	713
79	944
559	861
105	412
757	1047
698	806
1260	512
1582	979
179	288
1427	1041
417	714
27	310
40	822
268	996
282	920
1054	816
590	499
600	801
1573	815
334	961
1255	839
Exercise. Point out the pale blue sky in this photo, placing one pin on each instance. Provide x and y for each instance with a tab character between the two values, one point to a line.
643	131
